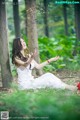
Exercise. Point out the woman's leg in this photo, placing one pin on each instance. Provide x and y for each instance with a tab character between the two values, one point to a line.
71	87
50	80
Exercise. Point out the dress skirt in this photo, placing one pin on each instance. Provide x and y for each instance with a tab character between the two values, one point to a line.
46	80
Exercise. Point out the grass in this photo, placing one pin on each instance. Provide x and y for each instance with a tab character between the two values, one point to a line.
41	104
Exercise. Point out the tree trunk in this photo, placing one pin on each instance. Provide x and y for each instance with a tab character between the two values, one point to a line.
16	18
32	28
46	18
65	19
77	27
4	54
25	19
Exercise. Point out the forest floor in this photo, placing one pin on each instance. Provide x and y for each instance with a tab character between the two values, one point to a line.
68	76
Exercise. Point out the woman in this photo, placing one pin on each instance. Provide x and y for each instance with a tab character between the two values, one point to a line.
25	63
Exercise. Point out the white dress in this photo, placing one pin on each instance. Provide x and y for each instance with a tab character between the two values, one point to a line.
27	81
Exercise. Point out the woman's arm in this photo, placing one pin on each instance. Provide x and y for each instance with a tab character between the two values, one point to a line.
39	66
25	64
22	63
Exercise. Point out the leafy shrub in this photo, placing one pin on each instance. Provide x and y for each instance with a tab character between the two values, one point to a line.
44	103
62	46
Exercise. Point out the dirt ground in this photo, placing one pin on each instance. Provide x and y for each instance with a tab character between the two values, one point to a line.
72	77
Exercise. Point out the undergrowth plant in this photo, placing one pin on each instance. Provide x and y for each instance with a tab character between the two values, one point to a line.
41	104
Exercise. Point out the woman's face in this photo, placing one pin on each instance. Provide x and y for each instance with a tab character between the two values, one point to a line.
23	44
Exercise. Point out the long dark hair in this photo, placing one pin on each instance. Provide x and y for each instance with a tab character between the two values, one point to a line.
16	51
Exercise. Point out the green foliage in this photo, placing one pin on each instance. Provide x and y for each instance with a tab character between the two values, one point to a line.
45	103
62	46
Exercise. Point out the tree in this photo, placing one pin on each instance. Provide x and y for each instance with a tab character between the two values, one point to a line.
4	54
45	2
77	27
32	28
65	18
16	18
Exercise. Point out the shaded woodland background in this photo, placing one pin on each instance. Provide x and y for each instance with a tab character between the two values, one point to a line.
53	29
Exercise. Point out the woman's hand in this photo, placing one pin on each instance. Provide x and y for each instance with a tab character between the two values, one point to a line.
53	59
33	55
